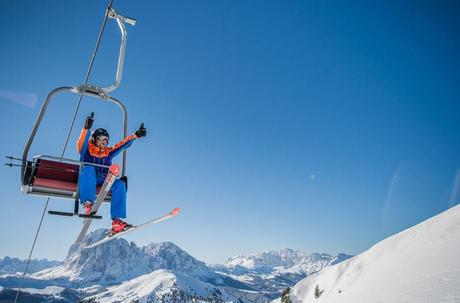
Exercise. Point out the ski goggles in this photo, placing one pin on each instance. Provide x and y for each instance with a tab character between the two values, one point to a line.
102	138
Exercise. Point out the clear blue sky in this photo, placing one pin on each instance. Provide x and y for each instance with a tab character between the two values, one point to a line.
317	126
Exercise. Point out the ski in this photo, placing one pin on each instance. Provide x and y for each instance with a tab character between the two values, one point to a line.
114	171
169	215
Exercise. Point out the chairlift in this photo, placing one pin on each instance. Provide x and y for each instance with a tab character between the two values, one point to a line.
57	177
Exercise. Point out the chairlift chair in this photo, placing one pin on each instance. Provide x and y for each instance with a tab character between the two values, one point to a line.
57	177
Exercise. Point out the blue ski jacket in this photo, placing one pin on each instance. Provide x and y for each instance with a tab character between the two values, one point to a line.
89	152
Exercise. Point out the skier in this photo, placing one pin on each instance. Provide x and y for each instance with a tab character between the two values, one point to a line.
95	149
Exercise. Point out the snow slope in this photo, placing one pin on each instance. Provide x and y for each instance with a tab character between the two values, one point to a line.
418	265
162	286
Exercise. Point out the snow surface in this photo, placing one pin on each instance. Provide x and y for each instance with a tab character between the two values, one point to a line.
50	290
418	265
156	286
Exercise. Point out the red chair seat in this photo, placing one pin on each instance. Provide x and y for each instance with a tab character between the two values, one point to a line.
57	179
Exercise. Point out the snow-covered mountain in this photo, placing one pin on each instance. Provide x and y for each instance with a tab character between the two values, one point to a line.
13	265
272	271
118	261
283	261
163	286
118	271
167	255
112	263
420	264
122	271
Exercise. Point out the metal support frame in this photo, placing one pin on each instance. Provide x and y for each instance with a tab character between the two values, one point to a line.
90	90
77	194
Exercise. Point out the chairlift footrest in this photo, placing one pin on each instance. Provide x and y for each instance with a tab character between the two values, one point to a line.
60	213
90	216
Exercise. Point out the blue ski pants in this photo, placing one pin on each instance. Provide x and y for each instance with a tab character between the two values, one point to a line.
87	189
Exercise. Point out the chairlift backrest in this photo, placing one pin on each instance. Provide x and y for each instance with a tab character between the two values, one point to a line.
53	178
57	170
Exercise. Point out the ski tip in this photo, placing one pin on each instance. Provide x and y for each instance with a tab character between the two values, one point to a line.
175	211
115	169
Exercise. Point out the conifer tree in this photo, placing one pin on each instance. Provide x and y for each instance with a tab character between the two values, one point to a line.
318	292
285	296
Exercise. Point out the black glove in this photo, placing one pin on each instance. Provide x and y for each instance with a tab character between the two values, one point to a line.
141	132
89	121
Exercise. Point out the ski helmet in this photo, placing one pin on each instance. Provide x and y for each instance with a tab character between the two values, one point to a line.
99	132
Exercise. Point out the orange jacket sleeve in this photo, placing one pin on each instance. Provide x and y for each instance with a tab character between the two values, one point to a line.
122	145
82	142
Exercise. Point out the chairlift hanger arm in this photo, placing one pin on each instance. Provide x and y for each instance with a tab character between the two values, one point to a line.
115	15
121	20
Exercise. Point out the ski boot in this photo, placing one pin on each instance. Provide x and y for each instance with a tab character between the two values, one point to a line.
87	206
118	225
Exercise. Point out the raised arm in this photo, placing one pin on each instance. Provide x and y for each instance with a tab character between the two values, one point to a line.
122	145
82	142
126	142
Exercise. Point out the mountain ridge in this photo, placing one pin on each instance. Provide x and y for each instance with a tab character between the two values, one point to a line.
10	265
115	266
